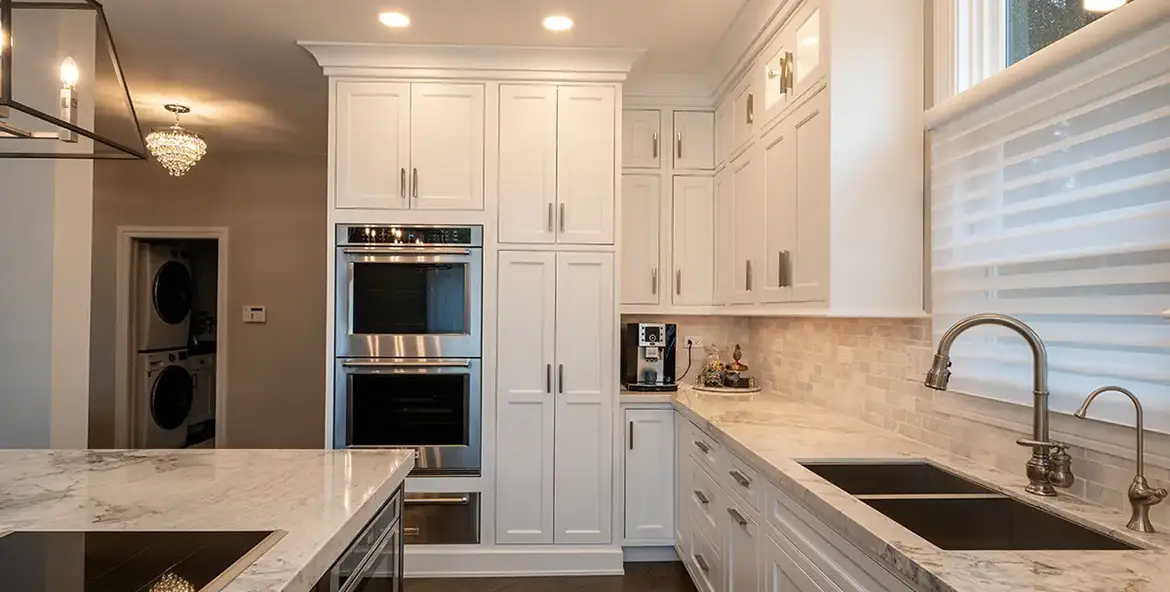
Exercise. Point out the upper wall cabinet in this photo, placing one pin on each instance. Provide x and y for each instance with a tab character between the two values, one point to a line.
694	140
794	63
401	145
556	165
641	211
641	139
743	113
724	133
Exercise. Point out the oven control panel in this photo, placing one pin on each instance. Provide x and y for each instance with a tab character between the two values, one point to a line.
467	236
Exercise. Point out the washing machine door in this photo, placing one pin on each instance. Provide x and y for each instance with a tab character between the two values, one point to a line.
172	292
171	397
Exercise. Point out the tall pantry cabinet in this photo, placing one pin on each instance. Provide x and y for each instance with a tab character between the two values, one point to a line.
556	385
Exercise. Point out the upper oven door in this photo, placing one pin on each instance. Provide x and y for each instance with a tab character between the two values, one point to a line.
408	302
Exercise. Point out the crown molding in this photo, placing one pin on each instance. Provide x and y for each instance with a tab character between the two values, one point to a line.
389	59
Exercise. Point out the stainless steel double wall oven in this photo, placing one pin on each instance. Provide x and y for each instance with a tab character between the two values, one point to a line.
409	307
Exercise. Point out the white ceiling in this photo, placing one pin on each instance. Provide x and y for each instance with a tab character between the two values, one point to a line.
237	65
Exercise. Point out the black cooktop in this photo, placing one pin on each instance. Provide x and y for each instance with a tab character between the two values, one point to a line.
166	561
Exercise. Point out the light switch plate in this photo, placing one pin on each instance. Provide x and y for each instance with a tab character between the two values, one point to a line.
255	314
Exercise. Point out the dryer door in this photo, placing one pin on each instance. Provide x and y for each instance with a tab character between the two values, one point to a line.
171	397
172	292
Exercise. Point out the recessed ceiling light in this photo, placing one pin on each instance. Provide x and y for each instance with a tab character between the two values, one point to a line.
558	23
396	20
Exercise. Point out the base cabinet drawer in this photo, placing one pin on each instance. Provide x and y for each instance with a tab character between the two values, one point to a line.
782	574
707	563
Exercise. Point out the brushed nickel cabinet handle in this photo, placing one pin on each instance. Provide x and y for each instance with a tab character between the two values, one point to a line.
561	378
548	378
654	146
751	108
702	562
550	217
402	182
654	281
678	142
562	218
747	275
414	184
740	478
678	282
702	446
735	515
702	497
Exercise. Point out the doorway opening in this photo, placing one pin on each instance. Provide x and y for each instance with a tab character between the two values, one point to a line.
170	378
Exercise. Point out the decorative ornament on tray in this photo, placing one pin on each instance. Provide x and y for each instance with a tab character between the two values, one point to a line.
717	377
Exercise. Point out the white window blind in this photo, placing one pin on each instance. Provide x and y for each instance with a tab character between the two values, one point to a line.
1052	204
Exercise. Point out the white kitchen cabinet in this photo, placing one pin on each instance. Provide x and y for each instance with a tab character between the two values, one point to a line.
724	133
409	145
556	169
747	226
585	164
724	235
779	209
528	163
583	479
641	207
555	393
446	146
741	549
682	489
781	573
525	407
372	144
743	113
694	241
809	34
694	140
649	487
641	138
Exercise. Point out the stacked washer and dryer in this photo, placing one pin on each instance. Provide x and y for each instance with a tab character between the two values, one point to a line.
174	390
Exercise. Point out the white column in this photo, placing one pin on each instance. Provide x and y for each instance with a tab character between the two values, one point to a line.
46	236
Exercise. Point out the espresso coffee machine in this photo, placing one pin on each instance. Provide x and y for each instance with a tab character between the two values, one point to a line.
648	357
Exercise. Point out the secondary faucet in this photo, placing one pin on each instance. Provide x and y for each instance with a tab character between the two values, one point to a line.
1050	464
1141	495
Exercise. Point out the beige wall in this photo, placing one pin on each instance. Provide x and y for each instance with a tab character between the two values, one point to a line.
274	209
873	370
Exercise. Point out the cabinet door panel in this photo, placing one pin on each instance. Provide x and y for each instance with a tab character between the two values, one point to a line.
808	31
779	213
747	228
372	144
781	573
641	139
694	140
585	397
446	146
724	132
741	550
525	405
641	207
694	241
585	164
528	163
650	475
809	266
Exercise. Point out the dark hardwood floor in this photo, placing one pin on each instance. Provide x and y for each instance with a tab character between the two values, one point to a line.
640	577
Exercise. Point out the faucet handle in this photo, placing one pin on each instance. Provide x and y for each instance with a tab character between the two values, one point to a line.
1057	447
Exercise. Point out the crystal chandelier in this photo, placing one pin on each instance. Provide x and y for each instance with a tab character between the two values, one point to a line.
176	148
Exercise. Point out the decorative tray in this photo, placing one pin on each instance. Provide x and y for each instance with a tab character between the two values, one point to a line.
727	390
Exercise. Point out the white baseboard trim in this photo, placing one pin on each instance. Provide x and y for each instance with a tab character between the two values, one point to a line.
483	561
649	554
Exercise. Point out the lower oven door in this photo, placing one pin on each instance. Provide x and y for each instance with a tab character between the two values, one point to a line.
430	405
441	519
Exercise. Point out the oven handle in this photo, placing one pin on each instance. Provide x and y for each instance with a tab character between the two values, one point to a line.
413	364
403	251
438	501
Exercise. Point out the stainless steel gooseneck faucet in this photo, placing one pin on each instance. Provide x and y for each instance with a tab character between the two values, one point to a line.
1050	464
1141	495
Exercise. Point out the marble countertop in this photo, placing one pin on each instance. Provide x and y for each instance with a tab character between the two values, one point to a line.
770	432
321	499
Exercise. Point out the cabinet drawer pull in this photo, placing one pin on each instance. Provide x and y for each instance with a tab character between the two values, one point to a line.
562	218
548	378
561	378
654	146
702	497
678	141
414	184
751	108
550	217
702	562
678	282
631	435
702	446
402	182
747	275
735	515
740	478
789	79
654	281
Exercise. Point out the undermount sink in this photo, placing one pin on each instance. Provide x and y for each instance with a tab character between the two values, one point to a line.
893	478
955	513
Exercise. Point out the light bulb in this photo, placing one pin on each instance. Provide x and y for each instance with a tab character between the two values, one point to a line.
1	38
395	20
69	73
558	23
1103	5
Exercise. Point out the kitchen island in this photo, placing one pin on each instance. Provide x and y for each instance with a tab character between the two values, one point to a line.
315	502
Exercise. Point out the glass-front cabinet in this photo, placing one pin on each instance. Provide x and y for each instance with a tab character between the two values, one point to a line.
795	60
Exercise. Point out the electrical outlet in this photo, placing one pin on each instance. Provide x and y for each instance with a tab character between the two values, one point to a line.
696	341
